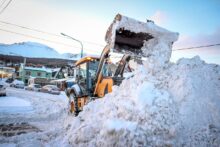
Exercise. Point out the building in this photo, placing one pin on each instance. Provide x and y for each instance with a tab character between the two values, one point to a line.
35	72
7	72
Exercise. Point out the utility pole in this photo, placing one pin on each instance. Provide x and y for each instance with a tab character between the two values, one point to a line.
75	40
23	70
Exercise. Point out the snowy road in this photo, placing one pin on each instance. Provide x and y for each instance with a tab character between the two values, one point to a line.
32	114
40	105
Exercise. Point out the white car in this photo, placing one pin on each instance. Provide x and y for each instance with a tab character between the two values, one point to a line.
17	84
2	89
33	87
52	89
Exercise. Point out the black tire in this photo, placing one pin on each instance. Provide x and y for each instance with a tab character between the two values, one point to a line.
75	100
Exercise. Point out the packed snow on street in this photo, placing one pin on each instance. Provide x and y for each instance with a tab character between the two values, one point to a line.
163	104
24	115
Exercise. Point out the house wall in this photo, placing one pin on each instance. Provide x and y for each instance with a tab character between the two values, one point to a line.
27	73
37	73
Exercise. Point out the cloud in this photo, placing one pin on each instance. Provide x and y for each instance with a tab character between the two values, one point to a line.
209	54
159	17
199	40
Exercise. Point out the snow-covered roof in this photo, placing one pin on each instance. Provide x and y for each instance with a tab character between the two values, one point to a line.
64	79
39	69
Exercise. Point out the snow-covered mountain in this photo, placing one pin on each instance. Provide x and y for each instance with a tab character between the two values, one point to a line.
34	50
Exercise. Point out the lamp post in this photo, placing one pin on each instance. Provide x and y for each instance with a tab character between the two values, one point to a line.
75	40
23	68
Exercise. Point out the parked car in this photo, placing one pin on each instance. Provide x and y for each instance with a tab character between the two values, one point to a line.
2	89
17	84
52	89
33	87
9	80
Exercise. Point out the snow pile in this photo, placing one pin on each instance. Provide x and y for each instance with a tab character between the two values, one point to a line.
195	85
164	104
143	116
175	106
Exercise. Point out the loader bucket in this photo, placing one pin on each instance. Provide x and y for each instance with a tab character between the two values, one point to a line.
130	41
127	36
125	40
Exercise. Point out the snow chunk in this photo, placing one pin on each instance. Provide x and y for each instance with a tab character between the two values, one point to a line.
148	27
156	46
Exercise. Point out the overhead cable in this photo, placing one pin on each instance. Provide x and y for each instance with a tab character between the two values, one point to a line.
5	7
196	47
44	32
47	40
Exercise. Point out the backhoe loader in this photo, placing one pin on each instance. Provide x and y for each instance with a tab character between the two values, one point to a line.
94	79
125	36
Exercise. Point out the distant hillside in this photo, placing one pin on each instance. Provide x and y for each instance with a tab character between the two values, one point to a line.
34	50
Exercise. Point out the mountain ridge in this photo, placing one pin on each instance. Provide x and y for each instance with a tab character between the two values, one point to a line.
34	50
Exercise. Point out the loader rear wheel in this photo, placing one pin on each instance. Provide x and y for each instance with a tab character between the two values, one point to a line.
74	108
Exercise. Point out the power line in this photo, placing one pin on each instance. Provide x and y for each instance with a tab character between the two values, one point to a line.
52	41
44	32
36	30
195	47
3	1
30	36
52	34
5	7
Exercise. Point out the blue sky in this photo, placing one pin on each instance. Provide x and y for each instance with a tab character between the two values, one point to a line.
190	17
197	21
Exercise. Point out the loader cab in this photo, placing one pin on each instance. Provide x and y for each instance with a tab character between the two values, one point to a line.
87	73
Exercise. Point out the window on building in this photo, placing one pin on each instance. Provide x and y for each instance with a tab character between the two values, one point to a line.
28	73
39	74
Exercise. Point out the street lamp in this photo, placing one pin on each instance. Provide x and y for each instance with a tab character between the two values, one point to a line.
75	40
